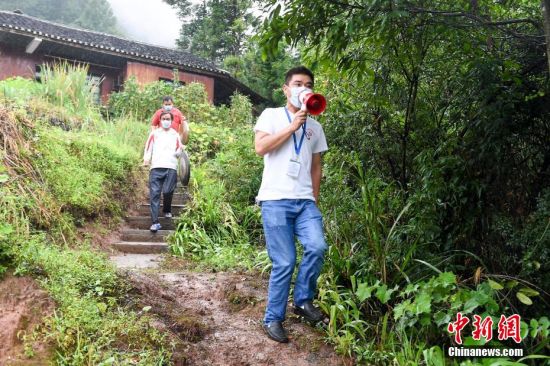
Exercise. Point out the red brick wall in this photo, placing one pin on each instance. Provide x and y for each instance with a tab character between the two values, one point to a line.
148	73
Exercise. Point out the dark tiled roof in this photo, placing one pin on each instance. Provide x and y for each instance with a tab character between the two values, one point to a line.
102	41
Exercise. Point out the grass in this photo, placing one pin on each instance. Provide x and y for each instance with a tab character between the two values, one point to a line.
62	166
90	325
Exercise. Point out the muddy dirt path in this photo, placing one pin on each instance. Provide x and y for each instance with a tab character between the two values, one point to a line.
216	318
23	306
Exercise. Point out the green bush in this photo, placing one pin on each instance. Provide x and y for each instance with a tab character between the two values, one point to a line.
69	86
81	170
20	89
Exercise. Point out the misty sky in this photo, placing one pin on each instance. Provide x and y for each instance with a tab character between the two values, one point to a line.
149	21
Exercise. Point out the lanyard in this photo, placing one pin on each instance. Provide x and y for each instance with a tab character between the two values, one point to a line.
297	147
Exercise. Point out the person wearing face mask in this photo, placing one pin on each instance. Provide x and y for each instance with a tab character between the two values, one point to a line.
162	149
179	123
291	144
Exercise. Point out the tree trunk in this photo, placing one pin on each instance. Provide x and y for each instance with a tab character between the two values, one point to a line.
546	15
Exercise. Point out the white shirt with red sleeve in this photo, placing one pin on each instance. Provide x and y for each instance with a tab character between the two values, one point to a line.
162	149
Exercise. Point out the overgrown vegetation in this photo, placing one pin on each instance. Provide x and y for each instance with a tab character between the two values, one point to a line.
63	165
438	125
389	300
435	192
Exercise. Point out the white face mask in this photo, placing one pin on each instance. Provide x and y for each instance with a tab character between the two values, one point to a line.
165	123
295	92
167	108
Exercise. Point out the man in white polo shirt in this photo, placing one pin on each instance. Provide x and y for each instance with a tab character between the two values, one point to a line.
291	144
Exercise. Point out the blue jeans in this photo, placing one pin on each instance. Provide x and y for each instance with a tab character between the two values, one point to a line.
283	220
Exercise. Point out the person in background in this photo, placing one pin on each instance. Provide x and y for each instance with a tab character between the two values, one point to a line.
179	123
162	149
291	144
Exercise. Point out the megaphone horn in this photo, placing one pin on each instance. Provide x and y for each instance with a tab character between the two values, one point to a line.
313	103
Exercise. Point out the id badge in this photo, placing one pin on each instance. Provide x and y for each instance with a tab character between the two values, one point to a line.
293	169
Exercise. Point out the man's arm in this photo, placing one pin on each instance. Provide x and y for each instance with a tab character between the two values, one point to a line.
316	174
265	143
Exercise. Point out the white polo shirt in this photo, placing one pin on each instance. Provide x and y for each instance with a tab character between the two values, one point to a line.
276	183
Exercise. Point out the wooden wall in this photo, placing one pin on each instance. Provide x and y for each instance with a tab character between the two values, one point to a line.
14	63
17	63
149	73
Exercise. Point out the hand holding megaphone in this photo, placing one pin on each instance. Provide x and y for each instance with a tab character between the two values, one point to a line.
312	103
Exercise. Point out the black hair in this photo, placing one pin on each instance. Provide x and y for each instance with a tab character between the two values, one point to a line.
167	99
163	113
298	70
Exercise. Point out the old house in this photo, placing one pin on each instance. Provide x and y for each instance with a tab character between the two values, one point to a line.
27	42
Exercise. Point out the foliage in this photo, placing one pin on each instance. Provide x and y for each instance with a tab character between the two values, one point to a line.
19	88
209	230
81	171
69	86
263	76
141	102
88	14
216	29
368	230
456	110
219	227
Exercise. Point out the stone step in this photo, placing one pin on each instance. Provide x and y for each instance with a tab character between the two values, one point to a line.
144	222
145	235
140	247
177	199
145	209
136	261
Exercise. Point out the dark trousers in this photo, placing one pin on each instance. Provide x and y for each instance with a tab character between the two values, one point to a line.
161	180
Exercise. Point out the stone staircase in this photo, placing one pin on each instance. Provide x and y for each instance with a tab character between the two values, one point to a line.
138	247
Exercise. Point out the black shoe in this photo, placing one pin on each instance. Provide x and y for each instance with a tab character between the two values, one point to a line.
309	312
276	332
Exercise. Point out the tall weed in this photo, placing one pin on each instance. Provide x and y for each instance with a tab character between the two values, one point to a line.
69	86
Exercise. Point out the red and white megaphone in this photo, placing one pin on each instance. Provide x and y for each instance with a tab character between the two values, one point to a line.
312	103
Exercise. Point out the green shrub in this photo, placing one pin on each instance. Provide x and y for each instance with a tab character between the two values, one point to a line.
138	102
20	89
